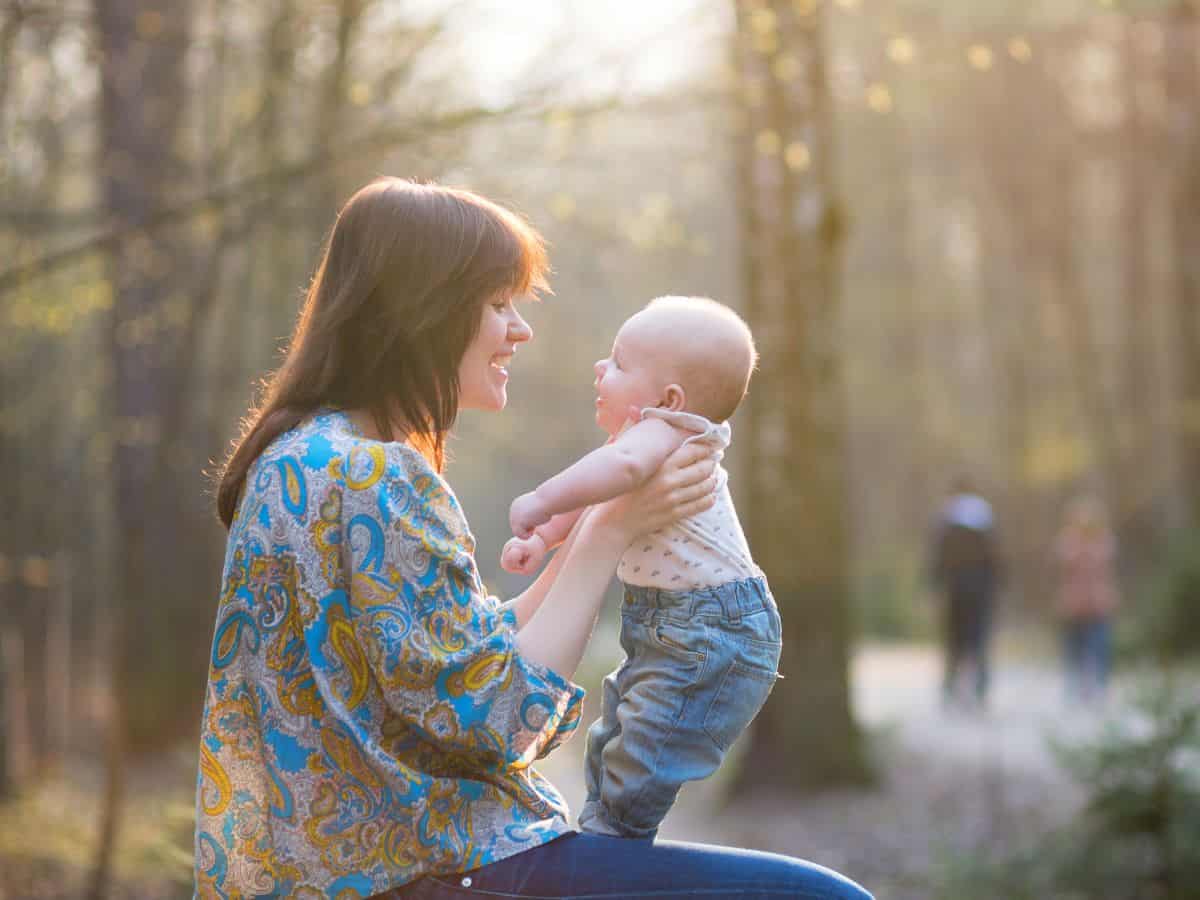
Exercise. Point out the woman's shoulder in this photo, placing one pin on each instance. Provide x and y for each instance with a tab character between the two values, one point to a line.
325	469
390	480
326	450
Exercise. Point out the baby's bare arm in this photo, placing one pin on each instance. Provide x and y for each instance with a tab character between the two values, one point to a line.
613	469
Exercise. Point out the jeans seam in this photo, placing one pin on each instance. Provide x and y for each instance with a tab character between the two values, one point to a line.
484	892
666	892
716	695
695	892
687	698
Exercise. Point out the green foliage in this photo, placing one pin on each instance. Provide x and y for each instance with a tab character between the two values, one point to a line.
47	832
1137	836
1163	622
1027	876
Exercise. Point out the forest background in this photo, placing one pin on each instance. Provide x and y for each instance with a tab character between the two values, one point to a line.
967	237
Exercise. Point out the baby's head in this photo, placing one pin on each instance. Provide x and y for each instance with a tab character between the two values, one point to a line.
679	353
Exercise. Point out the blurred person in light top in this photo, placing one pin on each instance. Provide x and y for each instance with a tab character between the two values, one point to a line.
372	715
699	626
1088	595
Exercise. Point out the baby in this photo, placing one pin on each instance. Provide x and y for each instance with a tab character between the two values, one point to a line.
699	626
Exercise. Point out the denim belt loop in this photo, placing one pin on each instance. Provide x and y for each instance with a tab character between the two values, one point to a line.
729	596
750	596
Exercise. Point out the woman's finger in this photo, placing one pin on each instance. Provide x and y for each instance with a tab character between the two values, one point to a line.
695	507
688	455
694	474
689	493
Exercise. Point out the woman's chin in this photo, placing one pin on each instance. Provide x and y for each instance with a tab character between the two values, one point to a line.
492	400
498	400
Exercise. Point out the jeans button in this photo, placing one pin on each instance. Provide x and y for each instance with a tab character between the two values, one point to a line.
466	882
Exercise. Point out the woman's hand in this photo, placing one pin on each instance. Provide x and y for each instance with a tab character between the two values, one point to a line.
683	486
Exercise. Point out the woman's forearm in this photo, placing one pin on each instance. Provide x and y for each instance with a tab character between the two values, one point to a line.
528	601
557	633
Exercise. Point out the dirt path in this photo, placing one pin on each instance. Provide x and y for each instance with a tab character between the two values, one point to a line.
897	688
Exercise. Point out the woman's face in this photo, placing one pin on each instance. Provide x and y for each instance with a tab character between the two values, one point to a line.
483	371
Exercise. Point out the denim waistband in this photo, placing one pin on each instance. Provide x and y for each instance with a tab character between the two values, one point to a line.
733	599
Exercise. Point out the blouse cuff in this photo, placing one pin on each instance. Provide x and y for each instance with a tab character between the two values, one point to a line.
565	697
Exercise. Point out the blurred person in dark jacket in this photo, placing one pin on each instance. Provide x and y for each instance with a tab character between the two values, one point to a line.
965	568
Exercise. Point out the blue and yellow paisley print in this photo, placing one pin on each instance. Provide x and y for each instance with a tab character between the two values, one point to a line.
368	717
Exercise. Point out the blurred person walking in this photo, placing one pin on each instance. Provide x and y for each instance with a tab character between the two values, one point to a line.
1088	595
965	568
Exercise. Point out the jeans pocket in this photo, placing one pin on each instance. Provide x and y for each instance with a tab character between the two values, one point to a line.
741	694
678	640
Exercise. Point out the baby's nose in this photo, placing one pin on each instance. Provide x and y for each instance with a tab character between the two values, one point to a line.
598	368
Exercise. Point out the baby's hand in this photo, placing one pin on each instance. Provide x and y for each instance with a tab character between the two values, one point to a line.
522	557
527	513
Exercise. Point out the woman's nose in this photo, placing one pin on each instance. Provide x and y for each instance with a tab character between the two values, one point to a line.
519	330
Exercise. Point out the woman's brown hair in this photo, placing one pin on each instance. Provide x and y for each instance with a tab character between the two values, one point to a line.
393	305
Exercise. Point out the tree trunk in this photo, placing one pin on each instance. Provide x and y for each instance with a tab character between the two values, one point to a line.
1085	360
1140	485
1009	235
797	492
1183	104
141	56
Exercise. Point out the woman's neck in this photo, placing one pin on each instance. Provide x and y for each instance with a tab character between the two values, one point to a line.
364	423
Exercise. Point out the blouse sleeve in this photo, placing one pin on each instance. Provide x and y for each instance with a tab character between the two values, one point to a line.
442	652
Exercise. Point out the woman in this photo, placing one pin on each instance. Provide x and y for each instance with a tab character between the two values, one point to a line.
371	715
1087	597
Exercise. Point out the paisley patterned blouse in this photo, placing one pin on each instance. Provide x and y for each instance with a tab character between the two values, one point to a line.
369	718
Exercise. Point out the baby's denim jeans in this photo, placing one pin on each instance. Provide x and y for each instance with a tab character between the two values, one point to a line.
698	667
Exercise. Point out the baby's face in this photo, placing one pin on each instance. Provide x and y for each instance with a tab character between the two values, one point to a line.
634	373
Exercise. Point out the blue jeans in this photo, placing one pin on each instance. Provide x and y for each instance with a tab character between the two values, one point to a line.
1088	650
698	667
580	866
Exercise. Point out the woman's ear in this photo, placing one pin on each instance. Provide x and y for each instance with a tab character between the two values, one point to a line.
674	398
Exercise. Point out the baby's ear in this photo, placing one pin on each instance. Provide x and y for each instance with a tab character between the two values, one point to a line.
674	398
